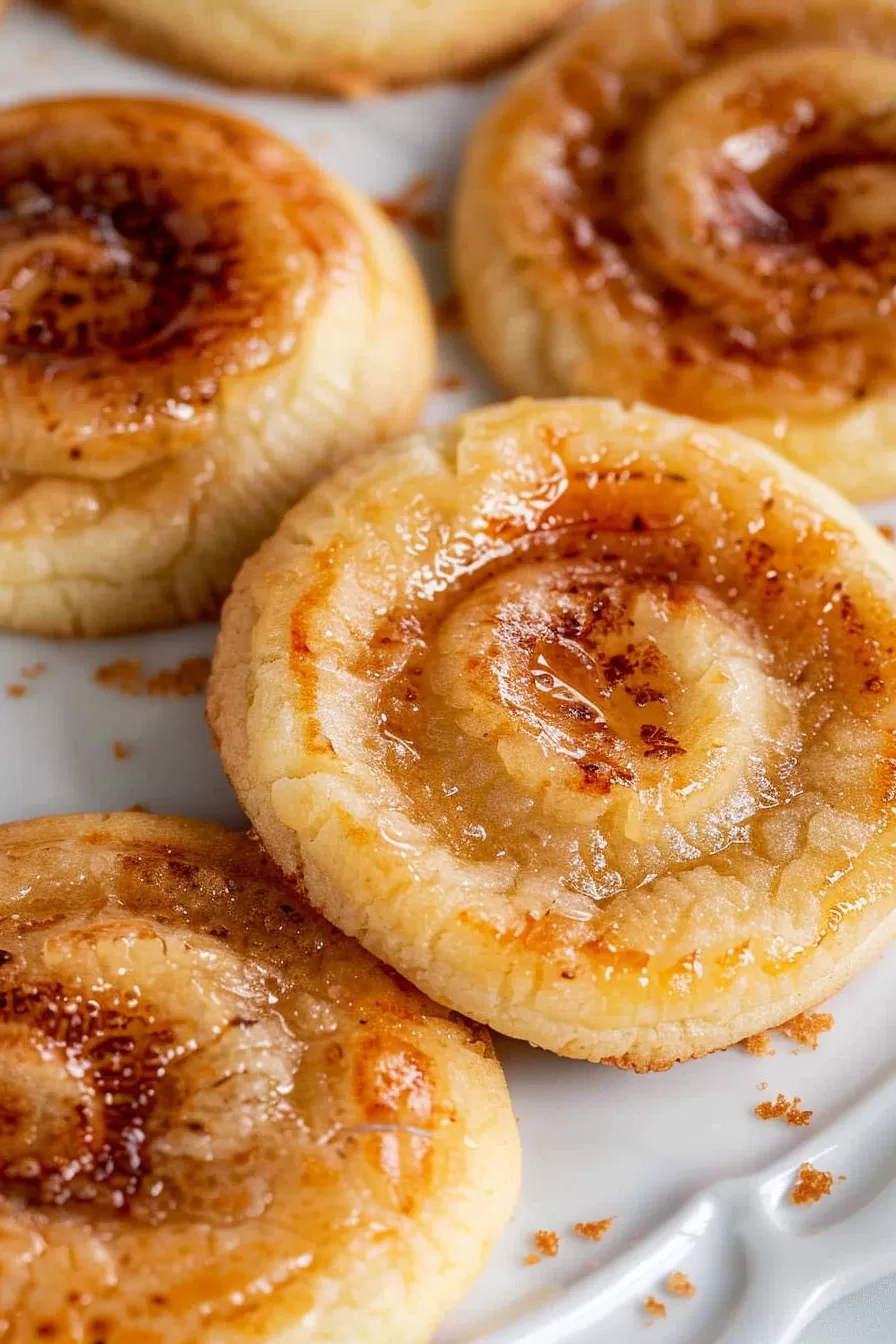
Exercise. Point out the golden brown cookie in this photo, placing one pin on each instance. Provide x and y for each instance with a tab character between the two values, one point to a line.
195	322
221	1119
693	205
583	719
344	47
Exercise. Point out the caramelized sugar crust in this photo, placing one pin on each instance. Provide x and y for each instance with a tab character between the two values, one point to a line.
182	301
219	1117
693	205
583	718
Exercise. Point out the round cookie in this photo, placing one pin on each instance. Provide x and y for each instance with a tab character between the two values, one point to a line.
196	323
693	205
582	719
343	47
222	1120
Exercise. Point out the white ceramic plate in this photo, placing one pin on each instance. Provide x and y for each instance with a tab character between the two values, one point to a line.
694	1181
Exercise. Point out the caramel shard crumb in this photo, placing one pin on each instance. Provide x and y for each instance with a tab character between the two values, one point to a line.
126	675
782	1109
412	207
449	382
811	1185
654	1308
886	531
595	1231
680	1285
760	1044
15	690
448	313
532	1260
806	1028
120	750
547	1243
33	672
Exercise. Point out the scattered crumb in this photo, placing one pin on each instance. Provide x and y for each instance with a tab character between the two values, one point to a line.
448	313
532	1260
762	1087
806	1028
680	1285
137	807
33	672
782	1109
886	531
412	207
120	750
16	690
811	1185
547	1243
841	1178
449	382
760	1044
126	675
595	1231
654	1308
190	678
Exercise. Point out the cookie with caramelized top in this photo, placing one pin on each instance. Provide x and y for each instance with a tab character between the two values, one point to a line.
582	719
195	323
221	1119
694	205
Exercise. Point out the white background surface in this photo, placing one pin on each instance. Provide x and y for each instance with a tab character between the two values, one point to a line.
597	1142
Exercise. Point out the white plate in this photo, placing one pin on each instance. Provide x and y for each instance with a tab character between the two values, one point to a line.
693	1179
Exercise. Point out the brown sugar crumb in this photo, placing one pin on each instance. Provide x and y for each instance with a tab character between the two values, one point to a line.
595	1231
448	313
654	1308
762	1087
886	531
15	690
412	207
190	678
120	750
547	1243
811	1185
679	1285
33	672
760	1044
806	1028
782	1109
449	382
126	675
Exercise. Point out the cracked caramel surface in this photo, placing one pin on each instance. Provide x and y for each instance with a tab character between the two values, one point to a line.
218	1117
582	717
693	205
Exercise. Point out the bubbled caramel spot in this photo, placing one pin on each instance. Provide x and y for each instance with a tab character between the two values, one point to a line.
79	1081
393	1082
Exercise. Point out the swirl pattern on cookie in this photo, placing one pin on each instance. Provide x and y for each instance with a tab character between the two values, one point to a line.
693	205
194	322
583	719
221	1119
